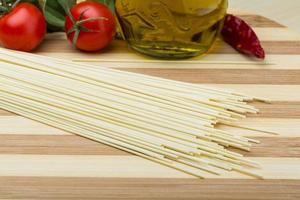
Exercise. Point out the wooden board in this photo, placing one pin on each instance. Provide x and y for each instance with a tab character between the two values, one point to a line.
41	162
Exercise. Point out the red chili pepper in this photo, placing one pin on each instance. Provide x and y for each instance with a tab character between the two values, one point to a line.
241	36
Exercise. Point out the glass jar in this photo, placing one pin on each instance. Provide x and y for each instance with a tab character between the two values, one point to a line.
171	28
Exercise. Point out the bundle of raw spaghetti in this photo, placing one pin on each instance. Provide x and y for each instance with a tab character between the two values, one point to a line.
169	122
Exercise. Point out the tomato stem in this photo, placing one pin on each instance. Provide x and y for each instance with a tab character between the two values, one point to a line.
76	35
78	25
15	4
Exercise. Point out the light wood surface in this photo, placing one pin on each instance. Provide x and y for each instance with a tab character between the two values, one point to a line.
41	162
285	12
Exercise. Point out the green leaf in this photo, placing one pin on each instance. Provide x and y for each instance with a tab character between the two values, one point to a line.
35	2
55	13
54	17
109	3
67	5
7	5
3	9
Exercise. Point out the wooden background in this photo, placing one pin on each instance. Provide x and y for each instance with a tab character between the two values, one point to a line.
41	162
286	12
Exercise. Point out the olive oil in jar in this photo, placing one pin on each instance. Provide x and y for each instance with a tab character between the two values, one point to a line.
171	28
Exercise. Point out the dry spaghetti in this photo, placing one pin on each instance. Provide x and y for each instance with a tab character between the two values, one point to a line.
166	121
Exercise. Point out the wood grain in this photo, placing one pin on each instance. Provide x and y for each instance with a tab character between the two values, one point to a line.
120	166
75	145
41	162
5	113
53	145
285	12
278	109
284	109
286	127
226	76
260	21
274	147
149	189
284	103
271	47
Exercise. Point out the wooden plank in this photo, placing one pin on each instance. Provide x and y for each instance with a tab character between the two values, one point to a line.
226	76
75	145
282	47
277	34
84	166
5	113
54	145
128	59
20	125
287	127
271	47
284	109
274	93
274	147
285	12
279	53
265	34
259	21
128	167
147	189
278	109
41	162
285	99
209	61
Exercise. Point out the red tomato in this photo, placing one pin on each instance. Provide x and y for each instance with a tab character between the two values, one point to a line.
23	28
96	31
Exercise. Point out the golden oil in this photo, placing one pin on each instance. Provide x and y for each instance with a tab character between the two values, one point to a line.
171	28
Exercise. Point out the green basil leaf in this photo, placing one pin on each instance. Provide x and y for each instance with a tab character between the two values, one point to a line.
54	17
3	9
35	2
67	5
109	3
55	13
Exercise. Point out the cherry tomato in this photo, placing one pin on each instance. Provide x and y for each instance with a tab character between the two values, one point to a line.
92	24
23	28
